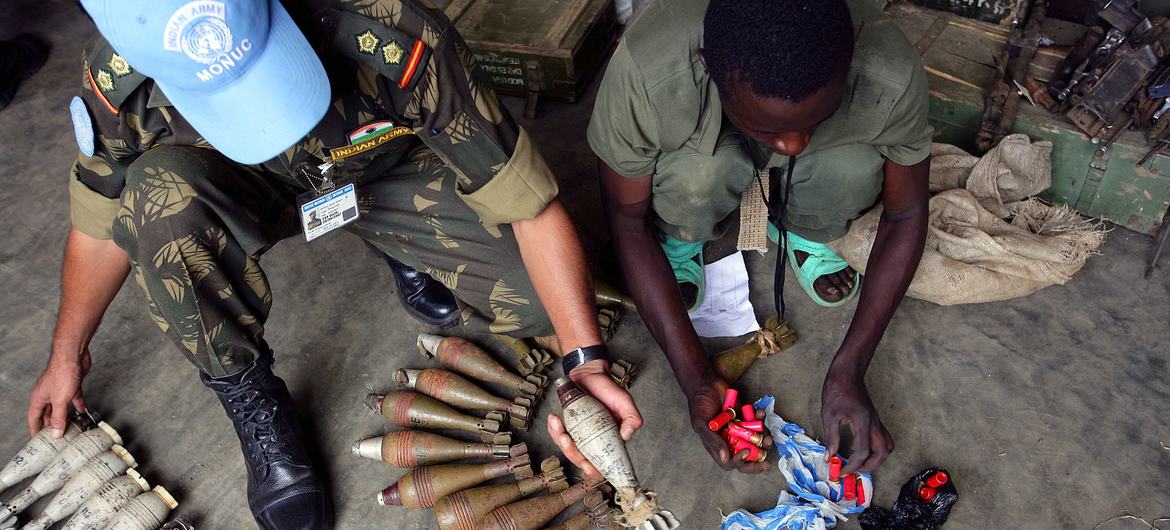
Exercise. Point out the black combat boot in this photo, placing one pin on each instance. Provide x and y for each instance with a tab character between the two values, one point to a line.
424	297
283	491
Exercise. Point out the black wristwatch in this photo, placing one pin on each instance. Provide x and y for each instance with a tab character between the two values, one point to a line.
581	356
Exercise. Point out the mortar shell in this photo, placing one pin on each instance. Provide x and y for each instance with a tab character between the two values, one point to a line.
462	356
607	295
100	507
461	510
410	409
424	486
596	434
64	466
36	454
456	391
411	448
534	513
581	521
147	511
731	364
86	481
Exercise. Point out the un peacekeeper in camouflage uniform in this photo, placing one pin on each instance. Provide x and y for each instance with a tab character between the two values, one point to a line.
823	101
389	94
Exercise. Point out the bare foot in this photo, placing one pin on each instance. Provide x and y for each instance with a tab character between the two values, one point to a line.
830	287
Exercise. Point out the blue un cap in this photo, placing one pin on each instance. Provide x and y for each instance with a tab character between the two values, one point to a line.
240	71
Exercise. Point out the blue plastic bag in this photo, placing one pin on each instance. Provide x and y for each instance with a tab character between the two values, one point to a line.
817	504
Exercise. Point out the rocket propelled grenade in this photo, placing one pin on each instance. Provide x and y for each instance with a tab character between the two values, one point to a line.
35	456
410	409
100	507
407	449
460	355
465	509
595	432
95	473
458	392
424	486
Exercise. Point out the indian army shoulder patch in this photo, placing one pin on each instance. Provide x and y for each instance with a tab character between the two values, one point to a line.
119	66
105	81
392	53
367	42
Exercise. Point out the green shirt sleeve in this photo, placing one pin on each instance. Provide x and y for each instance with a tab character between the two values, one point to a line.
624	129
501	174
907	135
90	212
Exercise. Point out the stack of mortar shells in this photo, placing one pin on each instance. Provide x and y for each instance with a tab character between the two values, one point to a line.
443	474
94	479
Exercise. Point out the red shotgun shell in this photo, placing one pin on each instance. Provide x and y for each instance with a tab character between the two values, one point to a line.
730	398
835	469
926	493
721	420
749	412
860	492
938	479
739	432
755	425
850	487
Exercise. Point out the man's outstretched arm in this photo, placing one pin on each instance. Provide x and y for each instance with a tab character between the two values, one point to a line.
653	286
893	260
552	254
91	276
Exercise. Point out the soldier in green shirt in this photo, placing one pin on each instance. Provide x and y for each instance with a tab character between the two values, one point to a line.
827	101
209	131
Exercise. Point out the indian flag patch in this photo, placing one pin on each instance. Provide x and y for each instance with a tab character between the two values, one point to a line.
369	130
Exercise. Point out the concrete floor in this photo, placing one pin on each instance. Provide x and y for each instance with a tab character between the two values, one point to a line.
1051	411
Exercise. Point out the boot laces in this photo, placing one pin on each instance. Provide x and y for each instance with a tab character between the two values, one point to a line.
265	435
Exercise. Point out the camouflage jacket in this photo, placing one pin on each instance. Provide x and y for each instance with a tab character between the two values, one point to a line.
369	48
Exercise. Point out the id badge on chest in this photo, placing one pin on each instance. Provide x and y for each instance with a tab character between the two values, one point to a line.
329	206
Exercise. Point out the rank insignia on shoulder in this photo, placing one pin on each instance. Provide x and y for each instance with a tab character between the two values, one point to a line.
367	42
105	81
392	53
119	66
418	56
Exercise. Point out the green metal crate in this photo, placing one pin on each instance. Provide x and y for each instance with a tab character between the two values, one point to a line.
1097	182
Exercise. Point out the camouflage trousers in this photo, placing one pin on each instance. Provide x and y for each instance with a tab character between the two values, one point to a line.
195	225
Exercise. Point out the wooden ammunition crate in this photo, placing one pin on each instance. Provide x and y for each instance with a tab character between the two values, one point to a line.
1105	183
549	48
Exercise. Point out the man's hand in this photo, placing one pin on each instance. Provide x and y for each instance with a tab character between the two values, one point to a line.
844	399
58	387
593	377
705	404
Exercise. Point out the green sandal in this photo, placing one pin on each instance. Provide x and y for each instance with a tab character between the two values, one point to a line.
821	261
687	261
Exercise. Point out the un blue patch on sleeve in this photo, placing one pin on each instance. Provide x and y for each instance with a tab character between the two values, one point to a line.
82	125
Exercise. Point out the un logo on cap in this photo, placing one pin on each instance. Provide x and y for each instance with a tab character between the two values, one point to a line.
200	31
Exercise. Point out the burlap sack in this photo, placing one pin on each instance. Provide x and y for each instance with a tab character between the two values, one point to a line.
981	247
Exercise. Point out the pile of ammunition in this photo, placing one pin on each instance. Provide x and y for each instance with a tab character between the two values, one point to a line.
744	435
446	399
93	476
853	490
